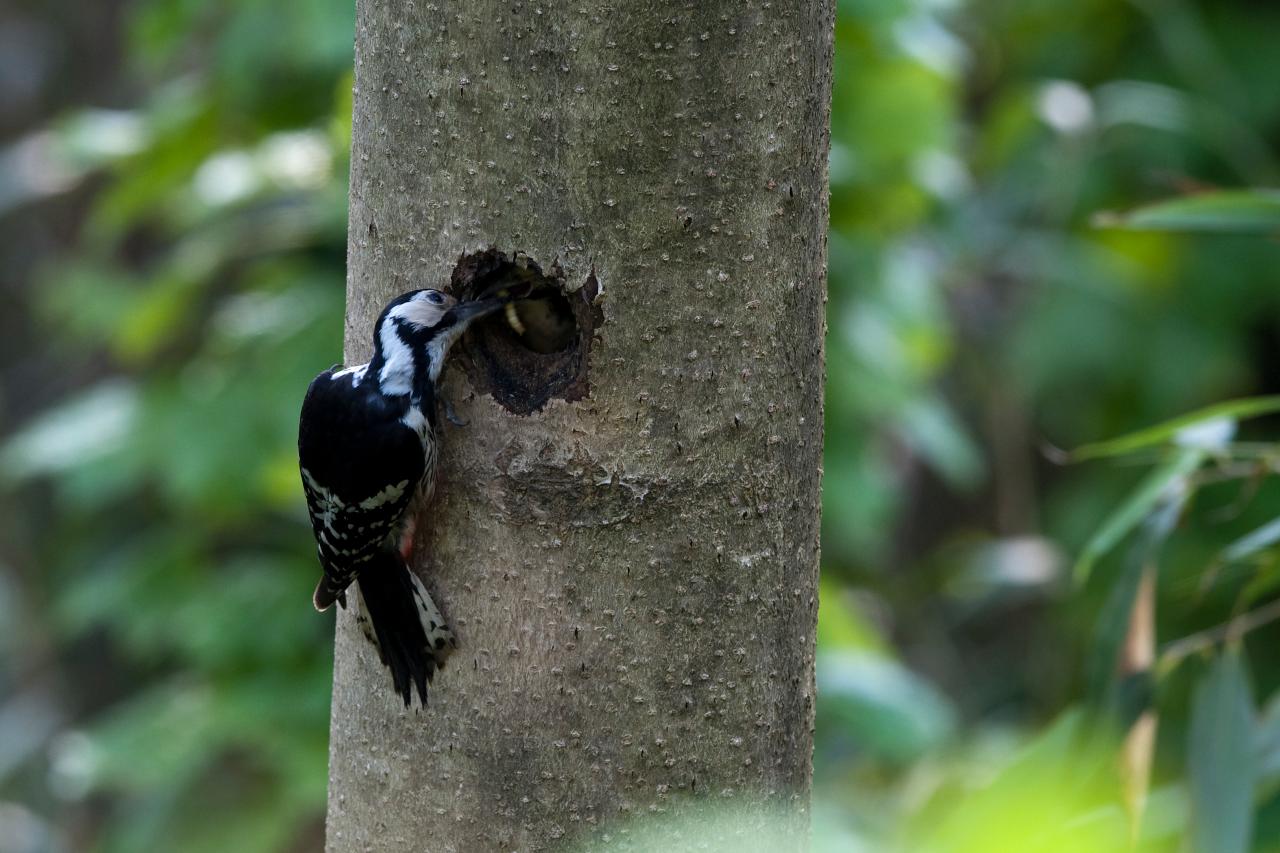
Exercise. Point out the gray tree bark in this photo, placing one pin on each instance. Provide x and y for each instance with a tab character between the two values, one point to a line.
632	575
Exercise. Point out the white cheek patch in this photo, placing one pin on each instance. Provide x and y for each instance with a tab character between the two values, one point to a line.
439	348
419	312
396	376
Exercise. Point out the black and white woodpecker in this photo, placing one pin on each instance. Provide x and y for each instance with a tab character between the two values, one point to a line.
367	447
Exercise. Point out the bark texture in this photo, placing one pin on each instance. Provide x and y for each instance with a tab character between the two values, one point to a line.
633	575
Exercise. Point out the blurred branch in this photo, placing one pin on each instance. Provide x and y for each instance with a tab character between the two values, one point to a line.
1177	651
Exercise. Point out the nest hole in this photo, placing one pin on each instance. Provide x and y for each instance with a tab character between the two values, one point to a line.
537	349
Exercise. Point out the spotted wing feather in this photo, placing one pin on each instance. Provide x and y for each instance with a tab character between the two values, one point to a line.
361	467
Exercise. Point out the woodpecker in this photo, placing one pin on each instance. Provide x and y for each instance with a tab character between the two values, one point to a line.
367	449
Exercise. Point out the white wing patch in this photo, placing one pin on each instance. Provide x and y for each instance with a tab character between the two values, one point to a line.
389	494
325	506
422	312
356	373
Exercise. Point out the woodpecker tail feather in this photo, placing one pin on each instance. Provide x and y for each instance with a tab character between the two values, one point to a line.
398	616
327	592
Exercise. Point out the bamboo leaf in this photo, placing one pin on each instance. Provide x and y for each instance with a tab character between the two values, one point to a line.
1175	429
1253	211
1266	743
1252	542
1166	482
1221	758
1129	696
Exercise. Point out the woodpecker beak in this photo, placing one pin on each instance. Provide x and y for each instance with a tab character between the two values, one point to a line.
465	312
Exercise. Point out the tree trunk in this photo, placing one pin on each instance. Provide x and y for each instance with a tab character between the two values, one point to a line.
632	574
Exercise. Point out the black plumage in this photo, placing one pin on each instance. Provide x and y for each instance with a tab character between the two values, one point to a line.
366	448
353	446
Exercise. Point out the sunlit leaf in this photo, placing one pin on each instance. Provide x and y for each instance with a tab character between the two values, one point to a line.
1166	814
156	318
1171	431
280	486
1057	795
841	622
1254	211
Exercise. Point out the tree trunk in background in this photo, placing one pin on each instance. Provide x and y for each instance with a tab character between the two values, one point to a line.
633	575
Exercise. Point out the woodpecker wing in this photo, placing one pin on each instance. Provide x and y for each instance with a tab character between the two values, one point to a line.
361	467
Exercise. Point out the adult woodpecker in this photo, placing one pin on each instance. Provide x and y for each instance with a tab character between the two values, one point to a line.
367	449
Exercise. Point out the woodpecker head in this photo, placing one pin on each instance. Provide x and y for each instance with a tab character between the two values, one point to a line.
415	331
426	314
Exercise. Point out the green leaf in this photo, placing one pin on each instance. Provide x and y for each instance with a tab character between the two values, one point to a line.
1056	794
1266	744
1264	580
1165	483
885	707
1166	816
1221	758
1254	211
174	724
841	622
92	424
933	430
1252	542
1127	698
1175	430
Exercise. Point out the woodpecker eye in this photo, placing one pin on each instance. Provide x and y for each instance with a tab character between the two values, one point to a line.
434	297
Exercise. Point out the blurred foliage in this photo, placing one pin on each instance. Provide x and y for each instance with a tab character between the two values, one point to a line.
1053	224
205	291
